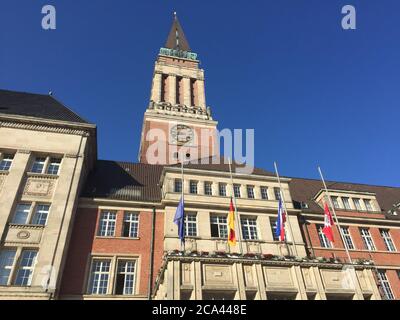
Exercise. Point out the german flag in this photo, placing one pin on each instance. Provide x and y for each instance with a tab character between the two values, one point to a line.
231	226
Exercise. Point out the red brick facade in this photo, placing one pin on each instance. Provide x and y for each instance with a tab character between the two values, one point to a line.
85	243
383	259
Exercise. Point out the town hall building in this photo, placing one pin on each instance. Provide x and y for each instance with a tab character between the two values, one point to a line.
75	227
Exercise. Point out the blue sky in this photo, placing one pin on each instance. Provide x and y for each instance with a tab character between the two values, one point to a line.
314	93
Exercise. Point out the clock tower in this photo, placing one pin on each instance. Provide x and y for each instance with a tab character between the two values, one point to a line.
177	122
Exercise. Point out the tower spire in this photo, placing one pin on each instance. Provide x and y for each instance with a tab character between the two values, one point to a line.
176	38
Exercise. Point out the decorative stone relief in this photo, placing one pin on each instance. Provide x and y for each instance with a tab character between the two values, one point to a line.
39	187
253	247
221	246
218	274
2	180
190	244
186	273
278	277
337	280
24	234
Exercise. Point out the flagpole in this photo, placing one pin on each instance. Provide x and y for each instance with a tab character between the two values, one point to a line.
334	213
239	222
183	199
284	206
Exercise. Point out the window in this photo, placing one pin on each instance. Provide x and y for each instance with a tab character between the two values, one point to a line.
367	239
273	228
6	263
348	242
131	225
38	165
249	228
250	192
99	277
264	193
219	227
346	203
193	187
107	224
222	189
325	243
368	205
178	185
25	268
388	240
41	214
236	190
385	285
190	225
208	188
125	281
335	202
357	204
22	213
277	193
6	162
54	166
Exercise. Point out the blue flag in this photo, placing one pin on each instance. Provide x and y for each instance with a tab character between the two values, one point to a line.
179	220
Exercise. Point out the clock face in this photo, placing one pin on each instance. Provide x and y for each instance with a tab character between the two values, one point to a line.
182	134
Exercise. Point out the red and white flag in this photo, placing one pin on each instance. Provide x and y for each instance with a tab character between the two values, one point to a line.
328	224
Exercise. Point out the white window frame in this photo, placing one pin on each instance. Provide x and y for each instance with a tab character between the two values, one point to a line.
110	223
335	202
324	241
277	193
250	226
132	219
250	192
29	268
126	273
368	205
264	193
367	239
38	211
193	186
208	188
6	158
357	204
178	185
93	273
221	222
47	162
346	235
190	222
222	189
7	266
54	162
385	285
346	203
236	190
387	239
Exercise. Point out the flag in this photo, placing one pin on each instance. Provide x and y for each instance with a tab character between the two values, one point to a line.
179	220
231	225
280	222
327	230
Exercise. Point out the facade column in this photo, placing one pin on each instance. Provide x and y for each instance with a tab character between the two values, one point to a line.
241	293
187	94
318	281
172	89
369	275
260	282
300	283
201	93
198	293
156	90
11	186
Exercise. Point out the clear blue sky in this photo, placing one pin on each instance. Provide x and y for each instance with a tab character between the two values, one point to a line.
314	93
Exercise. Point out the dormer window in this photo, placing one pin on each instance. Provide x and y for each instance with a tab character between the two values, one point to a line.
368	205
335	202
357	204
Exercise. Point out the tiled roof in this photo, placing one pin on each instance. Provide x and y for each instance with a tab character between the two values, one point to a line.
304	190
124	181
37	106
